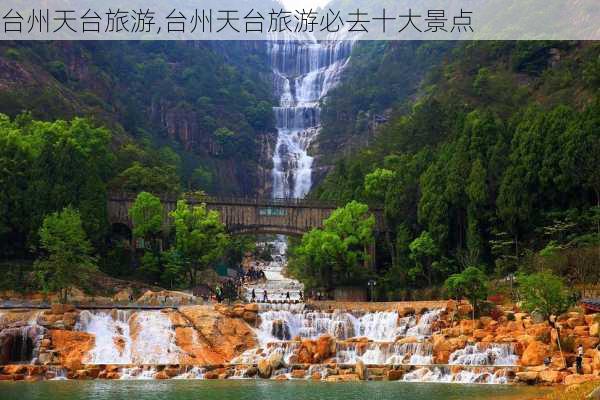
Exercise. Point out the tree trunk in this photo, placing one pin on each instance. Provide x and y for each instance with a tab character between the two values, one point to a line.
391	247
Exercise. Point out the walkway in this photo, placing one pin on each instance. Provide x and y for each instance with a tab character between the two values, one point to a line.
276	284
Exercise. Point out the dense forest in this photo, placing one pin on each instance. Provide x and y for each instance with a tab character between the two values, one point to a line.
480	154
79	120
208	102
495	163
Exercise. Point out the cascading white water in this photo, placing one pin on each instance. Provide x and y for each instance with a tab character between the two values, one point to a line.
304	72
499	354
23	340
385	353
378	326
444	375
111	331
424	327
124	337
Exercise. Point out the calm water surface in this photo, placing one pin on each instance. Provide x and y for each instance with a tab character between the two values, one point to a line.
257	390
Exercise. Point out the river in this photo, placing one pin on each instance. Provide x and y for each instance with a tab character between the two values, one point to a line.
258	390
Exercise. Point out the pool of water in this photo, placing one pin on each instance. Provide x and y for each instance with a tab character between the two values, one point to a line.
258	390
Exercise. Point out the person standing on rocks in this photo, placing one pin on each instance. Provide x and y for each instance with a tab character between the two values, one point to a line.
265	298
253	295
579	360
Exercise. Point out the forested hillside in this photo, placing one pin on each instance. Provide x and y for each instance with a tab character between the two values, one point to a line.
79	120
208	102
381	78
496	163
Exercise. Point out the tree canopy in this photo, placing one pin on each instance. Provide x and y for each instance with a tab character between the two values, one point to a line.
67	253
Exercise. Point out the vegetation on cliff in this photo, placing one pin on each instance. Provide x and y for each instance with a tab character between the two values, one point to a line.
152	94
495	161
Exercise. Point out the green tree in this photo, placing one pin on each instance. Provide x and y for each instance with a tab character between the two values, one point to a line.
422	251
477	195
200	238
67	259
338	253
147	216
378	182
471	284
543	292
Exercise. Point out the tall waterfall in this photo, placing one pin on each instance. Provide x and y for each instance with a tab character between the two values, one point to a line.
304	72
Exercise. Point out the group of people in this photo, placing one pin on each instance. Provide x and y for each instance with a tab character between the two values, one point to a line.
254	274
265	296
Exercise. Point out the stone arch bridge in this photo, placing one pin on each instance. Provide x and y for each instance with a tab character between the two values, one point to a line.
292	217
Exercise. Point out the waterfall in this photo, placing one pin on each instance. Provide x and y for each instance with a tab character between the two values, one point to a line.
381	353
385	326
20	343
304	72
424	327
444	375
125	337
501	354
112	336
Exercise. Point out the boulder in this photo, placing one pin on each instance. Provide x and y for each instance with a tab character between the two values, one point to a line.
161	375
576	379
59	309
276	360
360	369
529	377
394	374
595	329
550	376
298	374
217	338
534	354
73	347
264	368
325	348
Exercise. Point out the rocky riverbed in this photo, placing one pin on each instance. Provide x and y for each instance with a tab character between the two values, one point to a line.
282	342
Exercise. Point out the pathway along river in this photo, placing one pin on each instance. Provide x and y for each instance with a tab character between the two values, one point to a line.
257	390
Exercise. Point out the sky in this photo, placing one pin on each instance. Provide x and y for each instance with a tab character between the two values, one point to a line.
307	4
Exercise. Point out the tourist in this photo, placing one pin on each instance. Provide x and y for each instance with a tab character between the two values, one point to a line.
265	298
253	295
547	361
219	294
287	296
579	360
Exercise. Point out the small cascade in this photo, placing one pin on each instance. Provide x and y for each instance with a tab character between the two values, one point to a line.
382	353
282	325
380	326
111	331
56	373
192	373
445	375
20	344
424	328
153	339
124	337
294	308
138	373
252	356
500	354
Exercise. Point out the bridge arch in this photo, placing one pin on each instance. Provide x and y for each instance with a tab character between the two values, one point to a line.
292	217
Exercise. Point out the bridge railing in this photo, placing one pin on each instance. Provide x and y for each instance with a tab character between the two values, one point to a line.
258	201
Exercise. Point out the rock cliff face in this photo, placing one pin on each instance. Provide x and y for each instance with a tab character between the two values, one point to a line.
214	336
